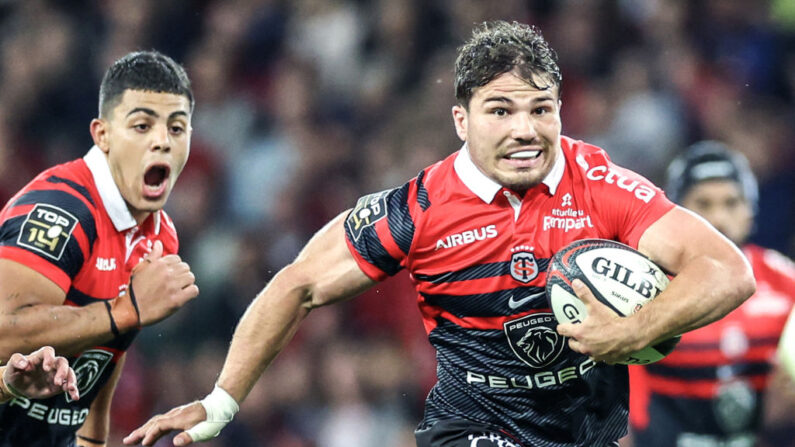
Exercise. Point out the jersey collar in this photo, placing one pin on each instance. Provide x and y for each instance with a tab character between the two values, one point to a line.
486	188
109	192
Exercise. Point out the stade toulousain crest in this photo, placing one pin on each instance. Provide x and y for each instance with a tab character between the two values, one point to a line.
534	340
524	267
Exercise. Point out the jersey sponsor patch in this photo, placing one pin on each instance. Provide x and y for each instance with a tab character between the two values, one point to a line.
88	369
534	340
615	177
369	210
734	406
46	230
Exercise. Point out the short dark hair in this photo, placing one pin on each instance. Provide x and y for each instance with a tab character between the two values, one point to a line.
142	70
497	47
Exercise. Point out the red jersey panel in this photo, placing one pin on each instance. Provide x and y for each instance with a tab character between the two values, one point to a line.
477	254
72	225
712	386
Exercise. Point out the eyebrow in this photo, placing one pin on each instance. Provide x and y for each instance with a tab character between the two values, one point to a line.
510	101
154	114
497	99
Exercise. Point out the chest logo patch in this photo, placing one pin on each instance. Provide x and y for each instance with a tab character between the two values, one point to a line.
89	368
533	339
46	230
524	267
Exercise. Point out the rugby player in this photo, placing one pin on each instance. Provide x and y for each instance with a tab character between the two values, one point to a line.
476	231
710	391
71	246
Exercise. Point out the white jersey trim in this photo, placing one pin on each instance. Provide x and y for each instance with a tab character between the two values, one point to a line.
109	192
486	188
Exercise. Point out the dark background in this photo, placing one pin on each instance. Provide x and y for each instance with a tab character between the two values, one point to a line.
305	105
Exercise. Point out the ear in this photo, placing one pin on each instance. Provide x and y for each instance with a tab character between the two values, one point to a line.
99	133
460	120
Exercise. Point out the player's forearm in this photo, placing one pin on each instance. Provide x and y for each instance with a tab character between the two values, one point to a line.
323	273
68	329
705	290
267	326
96	428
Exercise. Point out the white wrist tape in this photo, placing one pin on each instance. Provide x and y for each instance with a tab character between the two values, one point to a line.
220	408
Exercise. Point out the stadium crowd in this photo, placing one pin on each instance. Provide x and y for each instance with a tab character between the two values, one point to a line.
303	106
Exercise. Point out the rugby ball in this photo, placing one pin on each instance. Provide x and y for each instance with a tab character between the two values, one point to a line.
620	277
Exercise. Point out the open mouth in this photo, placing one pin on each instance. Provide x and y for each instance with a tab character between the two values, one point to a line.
524	155
156	180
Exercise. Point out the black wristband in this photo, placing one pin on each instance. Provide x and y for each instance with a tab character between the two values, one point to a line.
113	327
134	302
94	441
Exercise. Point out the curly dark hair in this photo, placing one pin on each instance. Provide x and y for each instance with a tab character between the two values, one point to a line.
497	47
142	70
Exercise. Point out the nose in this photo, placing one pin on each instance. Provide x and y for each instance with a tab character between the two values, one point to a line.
161	139
523	127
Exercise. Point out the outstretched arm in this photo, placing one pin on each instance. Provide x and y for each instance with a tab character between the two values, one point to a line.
38	375
712	278
324	272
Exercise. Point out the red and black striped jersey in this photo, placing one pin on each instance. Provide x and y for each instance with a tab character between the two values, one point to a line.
477	254
710	389
72	225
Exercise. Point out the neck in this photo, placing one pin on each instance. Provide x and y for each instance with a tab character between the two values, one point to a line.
139	215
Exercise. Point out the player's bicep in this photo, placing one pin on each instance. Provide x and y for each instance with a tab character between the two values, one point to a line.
21	286
328	266
679	236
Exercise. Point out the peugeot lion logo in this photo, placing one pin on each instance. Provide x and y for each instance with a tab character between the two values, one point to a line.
88	369
533	339
539	344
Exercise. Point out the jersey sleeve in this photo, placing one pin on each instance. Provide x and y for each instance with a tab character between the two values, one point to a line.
49	230
777	270
379	231
627	202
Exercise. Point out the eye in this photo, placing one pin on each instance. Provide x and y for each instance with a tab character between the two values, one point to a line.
176	129
141	127
702	205
499	111
733	202
540	110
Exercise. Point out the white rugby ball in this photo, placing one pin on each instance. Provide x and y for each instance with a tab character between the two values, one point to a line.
619	276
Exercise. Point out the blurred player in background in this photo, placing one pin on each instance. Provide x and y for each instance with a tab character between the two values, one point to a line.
711	390
38	375
72	243
476	230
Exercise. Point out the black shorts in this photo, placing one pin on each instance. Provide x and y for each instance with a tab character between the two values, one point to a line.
463	433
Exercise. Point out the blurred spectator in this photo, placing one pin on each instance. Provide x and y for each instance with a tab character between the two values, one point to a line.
713	389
